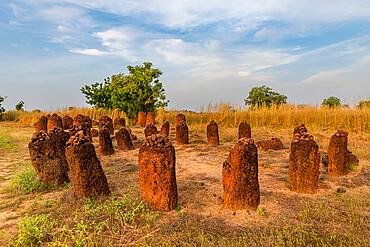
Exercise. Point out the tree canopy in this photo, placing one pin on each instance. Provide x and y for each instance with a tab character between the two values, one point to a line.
2	109
19	106
140	90
331	102
264	96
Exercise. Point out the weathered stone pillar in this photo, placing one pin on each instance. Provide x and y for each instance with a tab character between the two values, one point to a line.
338	154
87	175
80	119
150	130
274	143
150	118
244	130
165	129
133	137
107	122
212	133
179	117
105	142
240	177
304	162
119	122
157	175
85	127
300	129
182	133
67	122
41	124
61	138
46	159
54	120
123	138
141	118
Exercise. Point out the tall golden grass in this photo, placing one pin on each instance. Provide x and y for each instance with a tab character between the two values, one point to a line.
228	115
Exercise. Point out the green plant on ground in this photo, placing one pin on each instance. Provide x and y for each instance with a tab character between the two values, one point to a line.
26	181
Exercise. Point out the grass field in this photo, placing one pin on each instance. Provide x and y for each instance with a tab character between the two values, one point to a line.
32	214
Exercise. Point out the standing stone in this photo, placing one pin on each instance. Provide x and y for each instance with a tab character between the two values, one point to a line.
67	122
240	177
179	117
80	119
182	133
150	118
300	129
119	122
41	124
133	137
105	142
123	138
141	118
304	162
107	122
85	127
150	130
157	176
87	175
61	138
54	120
274	143
165	129
244	130
134	121
46	159
338	154
94	133
212	133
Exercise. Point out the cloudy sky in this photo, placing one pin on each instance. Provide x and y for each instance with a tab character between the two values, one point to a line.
209	51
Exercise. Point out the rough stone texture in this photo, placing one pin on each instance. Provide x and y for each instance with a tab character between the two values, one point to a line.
133	137
240	177
304	163
119	122
165	129
94	133
123	138
94	123
325	160
54	120
67	122
77	127
107	122
157	176
41	124
80	119
179	117
46	159
274	143
244	130
134	121
150	118
352	159
105	142
182	133
60	137
212	133
141	118
150	130
338	154
87	175
300	129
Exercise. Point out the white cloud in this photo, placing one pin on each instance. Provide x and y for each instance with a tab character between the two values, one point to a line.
92	52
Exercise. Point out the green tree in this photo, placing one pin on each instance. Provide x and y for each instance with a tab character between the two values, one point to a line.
364	104
331	102
2	109
140	90
260	96
19	106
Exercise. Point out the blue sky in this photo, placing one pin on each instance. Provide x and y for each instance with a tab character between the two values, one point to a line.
209	51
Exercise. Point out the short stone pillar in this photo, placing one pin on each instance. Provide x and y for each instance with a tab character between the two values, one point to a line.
300	129
119	122
157	176
61	138
41	124
141	118
46	159
212	133
240	177
165	129
54	120
107	122
244	130
338	154
85	127
179	117
150	118
274	143
123	138
94	133
182	133
105	142
133	137
87	175
80	119
67	122
150	129
304	162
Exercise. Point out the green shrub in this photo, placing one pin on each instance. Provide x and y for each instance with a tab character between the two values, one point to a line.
27	181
